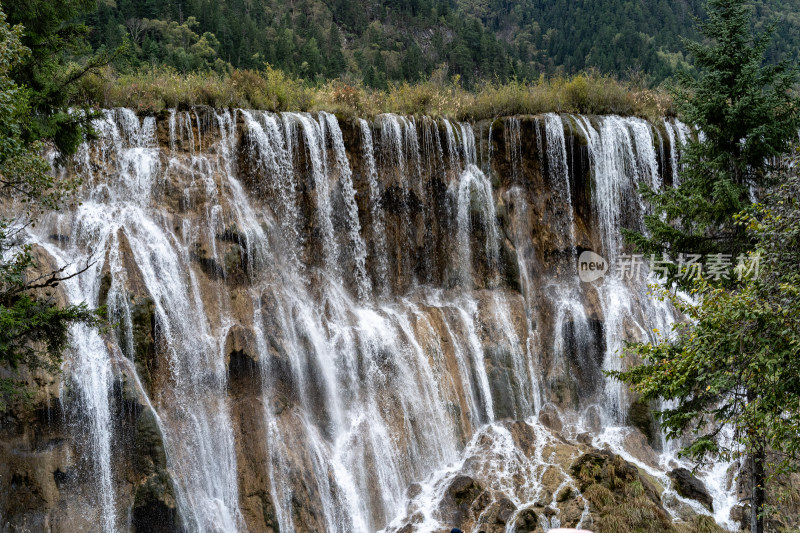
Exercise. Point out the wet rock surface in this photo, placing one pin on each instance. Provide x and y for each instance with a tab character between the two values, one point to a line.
690	487
303	335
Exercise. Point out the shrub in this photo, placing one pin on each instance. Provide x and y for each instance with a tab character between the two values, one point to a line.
156	88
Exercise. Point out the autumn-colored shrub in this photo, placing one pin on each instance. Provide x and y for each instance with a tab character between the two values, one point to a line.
159	88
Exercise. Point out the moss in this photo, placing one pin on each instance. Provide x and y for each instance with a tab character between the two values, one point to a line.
635	489
701	524
599	496
143	320
640	417
149	454
566	494
234	260
659	488
154	506
105	286
633	514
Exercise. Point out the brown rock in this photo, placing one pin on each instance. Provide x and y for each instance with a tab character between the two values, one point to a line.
495	518
690	487
458	499
527	521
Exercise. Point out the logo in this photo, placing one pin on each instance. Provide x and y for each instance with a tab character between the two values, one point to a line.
591	266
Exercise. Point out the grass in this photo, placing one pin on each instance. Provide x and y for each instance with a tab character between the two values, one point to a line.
620	501
158	88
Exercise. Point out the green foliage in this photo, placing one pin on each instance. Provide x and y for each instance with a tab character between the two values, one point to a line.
34	330
748	115
382	41
624	499
33	326
372	42
736	362
57	56
21	170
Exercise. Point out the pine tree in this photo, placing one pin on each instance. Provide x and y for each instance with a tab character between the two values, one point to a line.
748	117
735	363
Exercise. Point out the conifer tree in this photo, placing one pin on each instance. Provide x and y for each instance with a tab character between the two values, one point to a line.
747	116
58	56
735	363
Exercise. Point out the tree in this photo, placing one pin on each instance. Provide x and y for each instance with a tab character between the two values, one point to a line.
34	329
736	362
58	56
748	116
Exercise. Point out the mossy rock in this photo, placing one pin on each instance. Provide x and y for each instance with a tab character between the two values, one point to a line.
527	521
154	506
149	454
105	286
143	319
464	490
641	417
567	493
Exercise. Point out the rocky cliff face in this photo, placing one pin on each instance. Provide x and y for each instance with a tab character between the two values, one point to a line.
341	325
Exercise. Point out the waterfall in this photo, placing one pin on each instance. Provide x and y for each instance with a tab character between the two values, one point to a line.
344	315
392	137
468	144
674	150
678	134
513	143
475	194
357	247
454	151
378	239
276	169
314	141
557	162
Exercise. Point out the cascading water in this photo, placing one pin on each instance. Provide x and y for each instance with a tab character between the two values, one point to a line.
357	248
345	315
378	231
557	161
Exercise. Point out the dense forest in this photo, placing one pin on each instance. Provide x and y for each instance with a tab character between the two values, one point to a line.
381	41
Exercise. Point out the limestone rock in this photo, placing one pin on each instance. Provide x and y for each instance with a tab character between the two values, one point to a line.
497	516
527	521
690	487
459	496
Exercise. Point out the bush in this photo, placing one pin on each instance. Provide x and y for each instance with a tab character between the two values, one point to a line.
155	89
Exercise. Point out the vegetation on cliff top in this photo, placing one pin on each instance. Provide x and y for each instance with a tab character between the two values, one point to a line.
459	58
156	89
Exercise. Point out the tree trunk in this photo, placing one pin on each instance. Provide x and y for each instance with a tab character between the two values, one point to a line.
757	502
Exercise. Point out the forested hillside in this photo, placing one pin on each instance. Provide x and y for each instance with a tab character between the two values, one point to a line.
379	41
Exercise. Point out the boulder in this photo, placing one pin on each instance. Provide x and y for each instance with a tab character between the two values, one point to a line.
464	490
458	499
527	521
497	515
690	487
611	471
640	417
